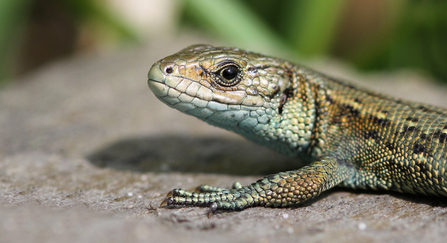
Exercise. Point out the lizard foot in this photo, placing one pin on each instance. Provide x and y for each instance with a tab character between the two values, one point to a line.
284	189
204	195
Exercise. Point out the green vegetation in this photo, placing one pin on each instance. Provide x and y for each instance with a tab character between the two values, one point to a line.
12	20
411	34
400	33
15	16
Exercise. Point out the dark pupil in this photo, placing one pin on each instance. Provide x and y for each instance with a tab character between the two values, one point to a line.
230	72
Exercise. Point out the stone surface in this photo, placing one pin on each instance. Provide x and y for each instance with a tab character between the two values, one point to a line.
87	153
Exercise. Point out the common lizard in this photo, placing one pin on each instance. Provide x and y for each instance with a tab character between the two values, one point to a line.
349	136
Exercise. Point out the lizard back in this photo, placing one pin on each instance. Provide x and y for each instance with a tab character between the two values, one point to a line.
393	144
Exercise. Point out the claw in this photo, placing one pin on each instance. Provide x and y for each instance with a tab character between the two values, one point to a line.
170	194
213	209
167	202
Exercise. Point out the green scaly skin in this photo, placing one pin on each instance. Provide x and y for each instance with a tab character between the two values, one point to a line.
350	136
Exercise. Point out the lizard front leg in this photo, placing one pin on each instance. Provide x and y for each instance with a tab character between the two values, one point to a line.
284	189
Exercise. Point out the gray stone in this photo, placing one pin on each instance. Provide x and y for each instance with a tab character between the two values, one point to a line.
87	153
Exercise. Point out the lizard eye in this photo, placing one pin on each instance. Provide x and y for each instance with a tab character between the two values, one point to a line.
229	72
228	75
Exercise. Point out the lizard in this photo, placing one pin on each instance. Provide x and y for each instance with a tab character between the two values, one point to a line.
347	135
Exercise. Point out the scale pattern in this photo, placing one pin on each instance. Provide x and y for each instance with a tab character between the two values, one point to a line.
350	136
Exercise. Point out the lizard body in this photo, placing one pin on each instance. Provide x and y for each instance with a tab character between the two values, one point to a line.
350	136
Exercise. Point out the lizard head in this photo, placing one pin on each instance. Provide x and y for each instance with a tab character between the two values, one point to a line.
226	87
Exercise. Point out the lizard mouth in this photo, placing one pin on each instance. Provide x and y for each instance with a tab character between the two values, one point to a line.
157	87
156	81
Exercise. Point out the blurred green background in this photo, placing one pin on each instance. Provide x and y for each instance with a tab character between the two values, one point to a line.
370	34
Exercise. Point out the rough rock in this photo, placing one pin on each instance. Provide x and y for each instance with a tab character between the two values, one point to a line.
87	153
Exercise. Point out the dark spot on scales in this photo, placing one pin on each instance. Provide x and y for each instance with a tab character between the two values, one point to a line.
275	92
351	110
371	134
204	70
423	108
412	119
262	67
389	145
398	101
411	129
418	148
394	163
422	168
442	137
283	99
380	121
251	69
347	85
329	99
408	129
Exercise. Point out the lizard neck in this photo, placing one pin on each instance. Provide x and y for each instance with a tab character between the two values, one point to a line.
292	123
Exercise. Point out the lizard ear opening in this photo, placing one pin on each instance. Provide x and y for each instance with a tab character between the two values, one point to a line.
283	99
288	92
